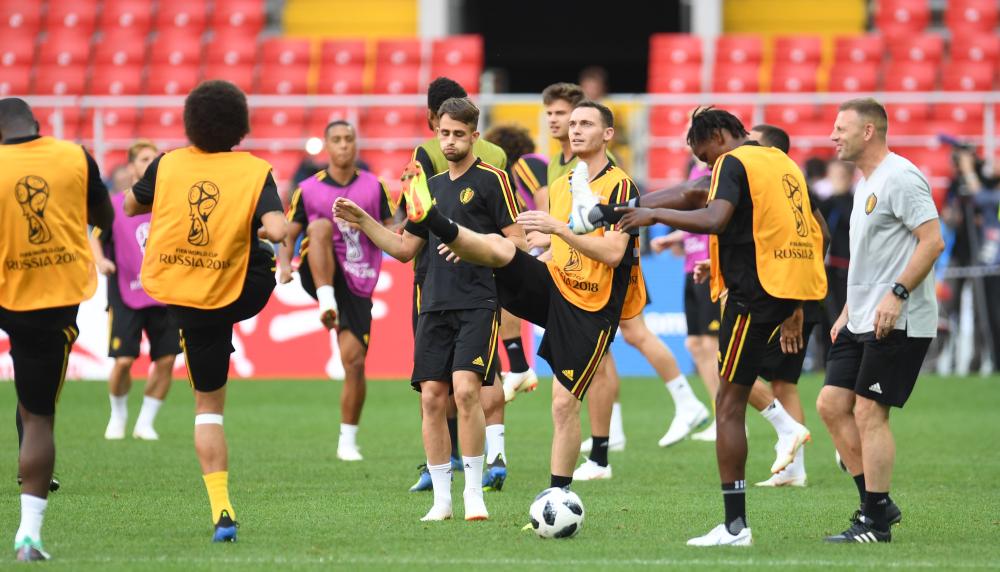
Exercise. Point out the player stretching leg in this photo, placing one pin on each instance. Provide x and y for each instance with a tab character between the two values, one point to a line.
206	262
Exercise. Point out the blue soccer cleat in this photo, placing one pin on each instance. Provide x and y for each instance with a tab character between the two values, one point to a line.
456	464
424	482
495	476
225	528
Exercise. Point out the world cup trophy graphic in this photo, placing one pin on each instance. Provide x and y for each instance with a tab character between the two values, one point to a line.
794	195
203	197
32	194
352	239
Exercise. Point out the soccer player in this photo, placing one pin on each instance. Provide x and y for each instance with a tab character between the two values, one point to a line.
455	348
205	258
46	269
768	275
578	294
118	255
340	266
882	335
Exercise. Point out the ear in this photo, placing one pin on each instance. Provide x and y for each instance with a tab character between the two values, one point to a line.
475	136
869	131
609	133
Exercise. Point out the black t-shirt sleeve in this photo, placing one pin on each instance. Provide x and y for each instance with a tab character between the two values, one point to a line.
143	189
297	209
386	207
269	199
532	172
731	181
626	191
502	202
97	192
420	155
415	230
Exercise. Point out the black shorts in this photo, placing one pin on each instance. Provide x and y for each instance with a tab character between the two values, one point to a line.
744	341
415	308
354	313
40	343
456	340
883	370
125	326
575	340
701	312
779	366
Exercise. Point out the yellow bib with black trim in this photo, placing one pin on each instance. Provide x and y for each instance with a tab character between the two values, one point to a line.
199	237
787	239
45	254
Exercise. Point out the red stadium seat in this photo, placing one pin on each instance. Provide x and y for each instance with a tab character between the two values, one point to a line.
387	163
165	79
115	80
867	49
669	120
793	78
77	15
968	76
176	47
467	76
674	49
668	165
18	48
343	53
14	80
160	123
320	117
395	79
116	124
394	122
18	15
277	122
908	118
399	52
285	52
133	15
121	48
739	49
934	162
277	79
244	15
455	51
241	75
284	162
962	119
188	15
910	77
785	116
975	48
677	79
59	80
47	120
736	79
917	48
742	112
902	17
66	49
798	49
971	16
341	80
852	77
232	49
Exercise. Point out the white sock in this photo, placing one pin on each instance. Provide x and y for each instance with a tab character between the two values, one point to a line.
473	474
150	407
617	432
681	391
779	418
441	479
324	294
119	407
32	513
348	435
495	444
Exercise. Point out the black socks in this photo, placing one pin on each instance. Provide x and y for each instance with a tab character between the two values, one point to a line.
735	500
875	505
515	355
859	481
599	451
561	482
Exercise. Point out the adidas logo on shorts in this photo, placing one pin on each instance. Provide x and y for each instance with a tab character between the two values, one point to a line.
875	388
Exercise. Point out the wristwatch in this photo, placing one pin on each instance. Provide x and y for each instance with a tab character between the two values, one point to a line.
900	291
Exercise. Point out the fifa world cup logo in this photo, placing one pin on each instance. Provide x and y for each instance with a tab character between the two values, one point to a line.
142	236
203	197
352	238
32	194
794	195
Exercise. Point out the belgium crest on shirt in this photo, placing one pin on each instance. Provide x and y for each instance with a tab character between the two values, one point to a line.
870	203
466	195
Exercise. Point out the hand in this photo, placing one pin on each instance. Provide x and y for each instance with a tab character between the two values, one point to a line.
966	162
635	217
347	211
284	275
105	266
886	314
447	253
660	243
840	324
539	221
538	240
791	333
702	270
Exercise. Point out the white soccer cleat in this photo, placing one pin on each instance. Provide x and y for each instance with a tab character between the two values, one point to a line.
705	434
684	422
584	200
784	479
719	536
437	513
348	453
788	444
115	430
475	506
839	460
591	471
614	446
514	383
145	433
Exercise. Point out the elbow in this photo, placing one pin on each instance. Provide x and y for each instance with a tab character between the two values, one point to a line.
130	208
614	261
938	246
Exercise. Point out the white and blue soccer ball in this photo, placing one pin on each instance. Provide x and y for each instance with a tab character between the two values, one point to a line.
556	513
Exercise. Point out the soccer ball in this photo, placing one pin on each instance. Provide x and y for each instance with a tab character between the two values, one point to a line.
556	513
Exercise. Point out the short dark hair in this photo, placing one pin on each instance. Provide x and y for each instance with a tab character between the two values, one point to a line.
705	121
336	123
137	147
569	92
513	139
870	111
606	116
15	113
460	109
216	117
441	90
772	136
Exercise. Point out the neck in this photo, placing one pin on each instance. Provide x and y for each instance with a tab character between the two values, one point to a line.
342	175
10	133
596	161
871	158
567	154
456	170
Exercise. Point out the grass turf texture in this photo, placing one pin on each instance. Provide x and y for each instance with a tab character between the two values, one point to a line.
131	505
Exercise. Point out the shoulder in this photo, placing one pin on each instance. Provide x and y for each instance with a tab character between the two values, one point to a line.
491	175
904	174
438	180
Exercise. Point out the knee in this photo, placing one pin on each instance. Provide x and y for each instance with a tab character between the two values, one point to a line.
565	408
692	345
432	401
830	408
353	360
320	228
467	397
124	362
166	362
869	415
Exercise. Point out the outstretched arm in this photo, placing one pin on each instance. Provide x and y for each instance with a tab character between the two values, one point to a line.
286	250
608	249
402	247
712	219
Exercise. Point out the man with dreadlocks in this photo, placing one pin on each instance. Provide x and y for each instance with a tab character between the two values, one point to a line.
765	248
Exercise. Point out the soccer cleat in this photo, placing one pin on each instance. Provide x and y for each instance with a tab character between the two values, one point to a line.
494	476
145	433
416	193
522	382
788	444
685	421
456	465
591	471
614	445
115	429
475	506
28	550
705	434
329	319
225	528
862	531
437	513
424	482
584	200
349	453
785	478
720	536
839	460
893	515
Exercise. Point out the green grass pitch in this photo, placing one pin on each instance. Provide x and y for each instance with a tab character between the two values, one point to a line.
133	505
